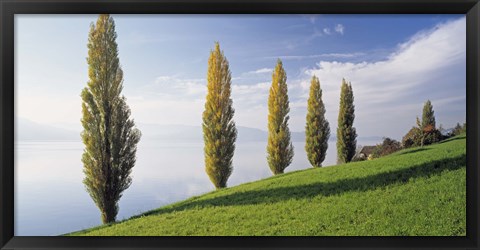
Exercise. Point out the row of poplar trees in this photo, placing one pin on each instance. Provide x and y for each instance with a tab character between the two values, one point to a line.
110	136
220	134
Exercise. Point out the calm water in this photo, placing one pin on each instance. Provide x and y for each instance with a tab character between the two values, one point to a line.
50	198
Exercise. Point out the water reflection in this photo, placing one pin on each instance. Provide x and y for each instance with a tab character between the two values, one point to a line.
50	198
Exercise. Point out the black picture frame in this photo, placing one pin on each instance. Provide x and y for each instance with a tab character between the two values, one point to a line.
8	8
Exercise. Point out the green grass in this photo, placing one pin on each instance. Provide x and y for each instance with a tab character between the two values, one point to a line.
419	191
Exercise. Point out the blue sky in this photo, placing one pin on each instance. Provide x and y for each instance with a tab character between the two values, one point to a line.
395	63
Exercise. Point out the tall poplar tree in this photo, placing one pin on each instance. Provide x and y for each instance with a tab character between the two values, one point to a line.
219	132
109	134
279	148
346	133
317	130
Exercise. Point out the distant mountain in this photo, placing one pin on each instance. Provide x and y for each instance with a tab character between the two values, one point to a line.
29	130
195	133
186	133
246	134
26	130
171	132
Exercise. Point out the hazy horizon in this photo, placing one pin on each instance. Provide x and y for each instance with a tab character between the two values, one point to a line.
395	63
26	130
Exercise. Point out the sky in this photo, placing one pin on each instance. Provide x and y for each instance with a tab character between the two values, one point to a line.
394	62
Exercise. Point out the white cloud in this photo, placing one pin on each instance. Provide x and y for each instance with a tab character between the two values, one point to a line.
253	76
173	100
325	55
250	103
415	63
170	99
430	65
261	71
327	31
248	95
449	100
176	87
339	28
390	89
388	93
167	110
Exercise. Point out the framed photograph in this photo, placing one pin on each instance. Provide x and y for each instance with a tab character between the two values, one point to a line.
239	125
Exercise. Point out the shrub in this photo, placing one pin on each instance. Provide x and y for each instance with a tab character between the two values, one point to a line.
387	147
413	138
459	129
432	135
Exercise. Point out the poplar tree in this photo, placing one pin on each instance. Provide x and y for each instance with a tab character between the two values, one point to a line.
279	148
317	130
430	134
219	132
346	133
428	115
109	134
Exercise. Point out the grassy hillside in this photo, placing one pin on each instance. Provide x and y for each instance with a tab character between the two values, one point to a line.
419	191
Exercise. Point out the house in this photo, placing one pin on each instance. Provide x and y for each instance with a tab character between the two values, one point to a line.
365	152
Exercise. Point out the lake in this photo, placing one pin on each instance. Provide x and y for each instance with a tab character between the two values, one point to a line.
50	198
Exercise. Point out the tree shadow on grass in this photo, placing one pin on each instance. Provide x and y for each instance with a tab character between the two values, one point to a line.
415	151
453	139
273	195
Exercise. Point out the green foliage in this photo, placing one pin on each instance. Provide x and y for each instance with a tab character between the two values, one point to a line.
413	138
279	148
427	132
219	132
109	135
346	133
428	115
317	130
413	192
433	136
388	146
459	129
430	133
